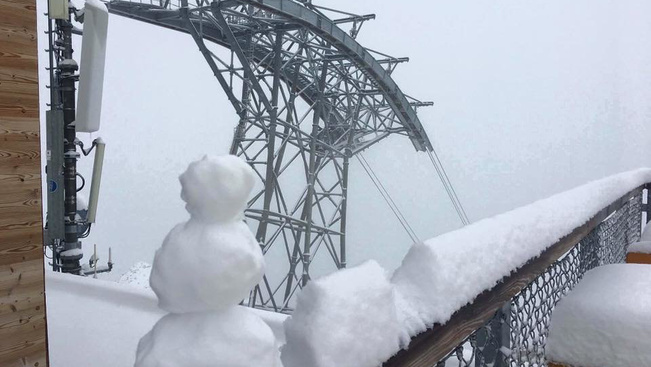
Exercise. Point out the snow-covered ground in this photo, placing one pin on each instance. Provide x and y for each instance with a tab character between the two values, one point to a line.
360	316
94	322
605	320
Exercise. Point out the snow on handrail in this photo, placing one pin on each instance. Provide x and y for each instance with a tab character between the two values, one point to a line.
443	301
450	286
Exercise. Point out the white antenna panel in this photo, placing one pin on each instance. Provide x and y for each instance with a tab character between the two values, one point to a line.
91	75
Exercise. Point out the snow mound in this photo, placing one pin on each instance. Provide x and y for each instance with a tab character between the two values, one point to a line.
206	267
346	319
216	188
95	320
138	275
443	274
605	320
234	338
99	303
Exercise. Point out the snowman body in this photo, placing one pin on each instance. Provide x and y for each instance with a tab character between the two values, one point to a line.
216	266
233	337
203	269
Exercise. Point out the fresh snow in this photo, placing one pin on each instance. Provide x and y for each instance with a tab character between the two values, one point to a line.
605	320
216	188
95	322
206	265
355	317
444	273
72	252
211	261
98	322
233	338
642	247
204	268
346	319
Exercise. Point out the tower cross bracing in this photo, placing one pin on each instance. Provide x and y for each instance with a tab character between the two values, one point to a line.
308	98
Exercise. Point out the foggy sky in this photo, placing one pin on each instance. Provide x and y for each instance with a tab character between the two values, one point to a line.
531	98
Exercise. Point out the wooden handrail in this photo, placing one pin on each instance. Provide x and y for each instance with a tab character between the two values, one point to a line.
429	347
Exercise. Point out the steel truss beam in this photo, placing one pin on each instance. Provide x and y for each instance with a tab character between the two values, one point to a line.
308	97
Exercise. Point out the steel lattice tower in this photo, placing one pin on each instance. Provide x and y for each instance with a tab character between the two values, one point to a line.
308	97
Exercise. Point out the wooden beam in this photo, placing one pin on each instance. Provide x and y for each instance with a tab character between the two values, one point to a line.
431	346
23	336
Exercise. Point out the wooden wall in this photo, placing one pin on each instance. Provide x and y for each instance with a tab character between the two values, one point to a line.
23	335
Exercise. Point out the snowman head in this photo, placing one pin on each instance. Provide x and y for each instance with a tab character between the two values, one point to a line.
216	189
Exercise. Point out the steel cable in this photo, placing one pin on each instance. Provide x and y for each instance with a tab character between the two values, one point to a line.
387	197
440	170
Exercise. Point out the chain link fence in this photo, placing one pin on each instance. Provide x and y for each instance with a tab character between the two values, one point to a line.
516	335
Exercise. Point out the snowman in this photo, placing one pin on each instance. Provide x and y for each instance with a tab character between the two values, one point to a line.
204	268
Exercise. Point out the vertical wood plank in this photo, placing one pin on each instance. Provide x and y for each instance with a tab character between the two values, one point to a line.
23	334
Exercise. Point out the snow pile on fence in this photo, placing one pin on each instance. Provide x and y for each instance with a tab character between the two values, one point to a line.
204	268
445	273
355	317
605	320
338	317
345	319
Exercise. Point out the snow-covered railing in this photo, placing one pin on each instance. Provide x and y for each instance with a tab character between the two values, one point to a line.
507	324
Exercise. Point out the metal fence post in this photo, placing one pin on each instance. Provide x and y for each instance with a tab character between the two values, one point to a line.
645	204
504	335
493	344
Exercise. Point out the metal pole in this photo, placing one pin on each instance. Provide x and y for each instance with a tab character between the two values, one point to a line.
288	217
293	260
67	78
496	353
344	207
311	176
645	204
270	179
344	187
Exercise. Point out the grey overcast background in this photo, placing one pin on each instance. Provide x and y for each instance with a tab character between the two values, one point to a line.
531	98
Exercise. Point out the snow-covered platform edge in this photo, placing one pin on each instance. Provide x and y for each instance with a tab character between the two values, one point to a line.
443	274
605	320
102	321
438	277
